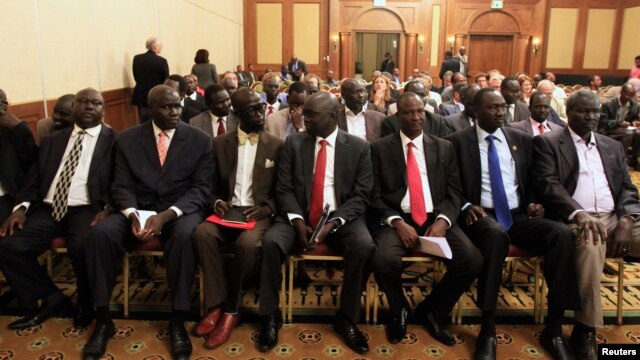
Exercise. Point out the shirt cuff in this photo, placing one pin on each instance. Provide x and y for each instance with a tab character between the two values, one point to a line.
177	211
127	212
26	205
445	218
573	214
390	219
342	221
293	216
465	206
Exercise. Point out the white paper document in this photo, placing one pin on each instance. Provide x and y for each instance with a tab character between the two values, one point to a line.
143	216
437	246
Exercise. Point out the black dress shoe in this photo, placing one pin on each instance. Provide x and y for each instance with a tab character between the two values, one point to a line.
486	348
268	337
353	337
397	327
41	314
556	346
584	344
83	317
434	326
181	347
97	345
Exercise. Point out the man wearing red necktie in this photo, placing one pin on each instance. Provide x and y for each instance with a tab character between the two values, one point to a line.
322	166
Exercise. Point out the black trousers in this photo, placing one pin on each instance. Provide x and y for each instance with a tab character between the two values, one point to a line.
19	253
109	240
280	240
552	239
6	207
462	269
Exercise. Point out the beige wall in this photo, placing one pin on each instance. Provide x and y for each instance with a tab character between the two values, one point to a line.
53	47
562	33
629	44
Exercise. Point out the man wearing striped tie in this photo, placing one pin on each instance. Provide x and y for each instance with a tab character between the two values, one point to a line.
65	194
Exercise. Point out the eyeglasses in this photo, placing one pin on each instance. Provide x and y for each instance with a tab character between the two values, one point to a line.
259	108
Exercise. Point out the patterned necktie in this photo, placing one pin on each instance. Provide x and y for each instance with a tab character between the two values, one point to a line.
416	192
317	186
499	195
220	126
252	137
163	146
541	128
61	196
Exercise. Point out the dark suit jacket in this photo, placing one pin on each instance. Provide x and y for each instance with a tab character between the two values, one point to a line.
452	65
149	70
184	181
191	109
390	176
434	125
458	121
556	171
264	178
520	112
18	152
387	65
372	121
555	118
466	145
353	175
243	79
608	112
525	125
203	122
301	64
52	147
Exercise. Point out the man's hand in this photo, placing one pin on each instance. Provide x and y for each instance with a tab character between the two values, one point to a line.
624	124
473	214
18	218
256	213
302	233
136	230
99	217
590	229
636	123
620	240
438	228
221	208
296	118
324	232
407	234
155	223
535	211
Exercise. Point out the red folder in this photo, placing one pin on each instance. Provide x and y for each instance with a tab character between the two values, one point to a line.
217	220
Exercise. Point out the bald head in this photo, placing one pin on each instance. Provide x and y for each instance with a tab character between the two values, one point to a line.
88	108
321	114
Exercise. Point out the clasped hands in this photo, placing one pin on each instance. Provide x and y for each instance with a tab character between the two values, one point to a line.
254	213
303	232
409	236
153	226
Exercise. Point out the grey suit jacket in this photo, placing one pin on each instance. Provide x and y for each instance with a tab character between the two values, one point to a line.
449	108
458	121
203	122
276	123
373	123
520	112
525	125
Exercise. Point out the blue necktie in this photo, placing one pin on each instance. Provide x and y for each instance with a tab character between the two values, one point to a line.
500	202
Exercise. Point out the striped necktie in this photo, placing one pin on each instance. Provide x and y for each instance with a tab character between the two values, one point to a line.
61	196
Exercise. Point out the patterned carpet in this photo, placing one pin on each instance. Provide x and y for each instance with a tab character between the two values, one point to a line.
315	299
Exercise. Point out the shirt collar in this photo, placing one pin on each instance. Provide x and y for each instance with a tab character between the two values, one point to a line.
536	123
93	132
498	134
157	131
417	142
350	112
576	138
331	139
215	118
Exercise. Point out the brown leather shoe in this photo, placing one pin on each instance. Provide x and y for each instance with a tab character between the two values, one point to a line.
222	332
208	322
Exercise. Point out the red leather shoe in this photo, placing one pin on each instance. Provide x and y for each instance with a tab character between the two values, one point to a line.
208	322
222	332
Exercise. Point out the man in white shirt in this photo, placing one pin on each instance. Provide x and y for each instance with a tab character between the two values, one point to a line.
354	118
192	86
67	194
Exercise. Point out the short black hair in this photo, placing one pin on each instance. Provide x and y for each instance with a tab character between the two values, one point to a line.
182	84
637	57
448	54
506	80
477	98
210	90
411	84
297	87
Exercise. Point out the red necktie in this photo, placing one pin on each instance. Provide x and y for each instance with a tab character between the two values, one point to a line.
541	128
416	194
163	146
270	111
220	126
317	186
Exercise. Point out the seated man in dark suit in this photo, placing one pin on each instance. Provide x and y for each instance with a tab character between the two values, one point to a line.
246	163
455	105
355	118
417	193
60	118
539	107
343	179
434	124
65	194
164	166
582	179
190	108
499	209
466	118
18	150
517	109
218	120
421	88
617	115
192	87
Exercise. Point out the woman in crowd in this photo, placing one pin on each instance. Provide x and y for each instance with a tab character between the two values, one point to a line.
205	71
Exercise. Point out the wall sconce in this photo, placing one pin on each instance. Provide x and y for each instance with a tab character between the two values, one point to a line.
451	40
421	44
335	43
536	46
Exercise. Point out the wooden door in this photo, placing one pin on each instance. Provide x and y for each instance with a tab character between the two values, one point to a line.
487	52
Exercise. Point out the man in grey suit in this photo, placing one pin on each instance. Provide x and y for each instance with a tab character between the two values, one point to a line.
466	118
288	121
354	118
218	120
302	193
516	109
616	116
454	105
539	106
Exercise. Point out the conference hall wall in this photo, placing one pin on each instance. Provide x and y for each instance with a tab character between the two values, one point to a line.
54	47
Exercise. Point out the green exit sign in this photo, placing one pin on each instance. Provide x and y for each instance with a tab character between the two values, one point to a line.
497	4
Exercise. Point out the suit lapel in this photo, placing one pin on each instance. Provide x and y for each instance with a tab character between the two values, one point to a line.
57	152
104	139
397	152
431	157
177	144
369	127
308	149
342	119
208	123
569	153
262	152
474	160
607	155
339	162
516	154
149	146
231	158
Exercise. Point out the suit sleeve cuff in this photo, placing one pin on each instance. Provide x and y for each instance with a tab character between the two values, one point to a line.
573	214
465	206
293	216
177	211
445	218
26	205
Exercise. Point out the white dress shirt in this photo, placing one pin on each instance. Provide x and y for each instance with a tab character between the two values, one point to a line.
243	190
156	133
215	123
592	190
356	123
507	166
193	96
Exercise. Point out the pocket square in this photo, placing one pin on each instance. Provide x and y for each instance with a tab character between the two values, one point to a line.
269	164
